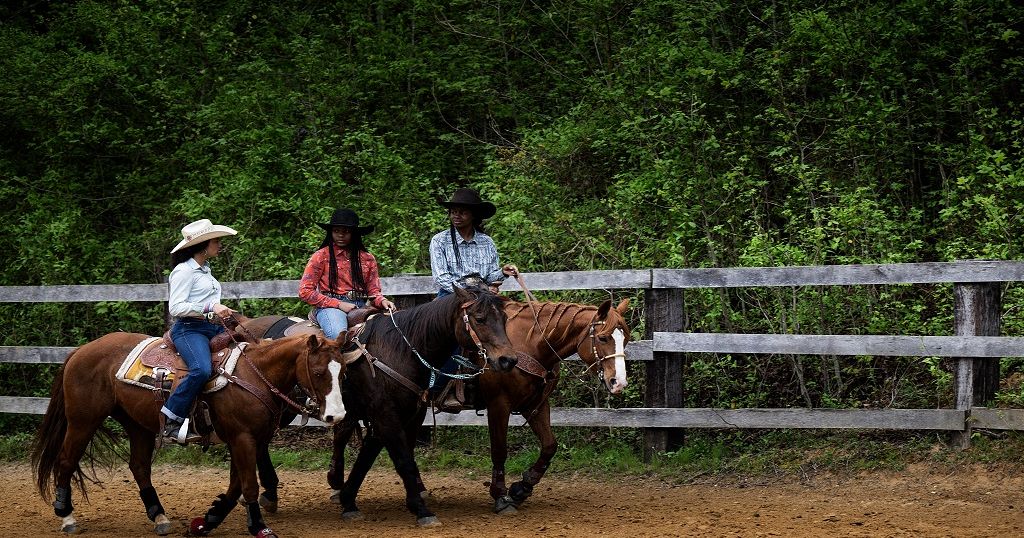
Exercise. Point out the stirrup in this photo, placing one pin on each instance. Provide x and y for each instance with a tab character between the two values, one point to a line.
183	436
448	400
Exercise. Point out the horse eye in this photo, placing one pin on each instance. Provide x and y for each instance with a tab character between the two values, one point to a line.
480	319
602	339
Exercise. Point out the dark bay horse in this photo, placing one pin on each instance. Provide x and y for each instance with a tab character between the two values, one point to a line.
388	388
597	334
86	392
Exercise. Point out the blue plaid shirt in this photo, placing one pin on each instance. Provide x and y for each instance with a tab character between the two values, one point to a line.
479	257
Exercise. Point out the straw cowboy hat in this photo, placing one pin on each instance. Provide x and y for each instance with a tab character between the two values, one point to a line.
347	218
199	231
471	199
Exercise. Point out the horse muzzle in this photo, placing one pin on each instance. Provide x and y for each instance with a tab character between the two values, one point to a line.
615	386
332	418
505	363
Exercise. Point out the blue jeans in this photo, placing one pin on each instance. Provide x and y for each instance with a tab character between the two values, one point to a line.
192	338
334	320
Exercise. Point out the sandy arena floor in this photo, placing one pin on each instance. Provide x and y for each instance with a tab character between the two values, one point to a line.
916	502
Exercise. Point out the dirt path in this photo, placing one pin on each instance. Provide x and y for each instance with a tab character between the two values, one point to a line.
915	502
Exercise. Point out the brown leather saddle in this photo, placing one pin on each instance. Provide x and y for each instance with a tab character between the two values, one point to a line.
164	355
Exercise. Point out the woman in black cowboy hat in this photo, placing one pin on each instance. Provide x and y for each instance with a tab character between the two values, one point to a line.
463	254
341	275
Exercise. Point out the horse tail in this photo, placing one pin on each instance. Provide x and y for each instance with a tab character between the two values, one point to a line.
50	438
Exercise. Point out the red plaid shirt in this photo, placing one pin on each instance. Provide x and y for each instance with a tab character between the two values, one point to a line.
317	275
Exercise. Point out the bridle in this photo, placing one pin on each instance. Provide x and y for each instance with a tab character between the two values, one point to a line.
313	398
592	334
480	351
434	371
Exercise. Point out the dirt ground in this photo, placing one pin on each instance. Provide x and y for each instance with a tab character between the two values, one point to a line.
915	502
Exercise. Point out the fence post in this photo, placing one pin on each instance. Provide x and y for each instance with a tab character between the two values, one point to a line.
976	312
664	374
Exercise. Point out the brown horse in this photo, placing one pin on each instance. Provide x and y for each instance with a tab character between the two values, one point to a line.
389	388
86	392
597	334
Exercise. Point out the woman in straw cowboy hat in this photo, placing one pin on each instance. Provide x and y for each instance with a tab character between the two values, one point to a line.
341	275
463	254
193	302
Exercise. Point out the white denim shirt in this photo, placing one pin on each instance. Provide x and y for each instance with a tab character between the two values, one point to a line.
479	257
193	291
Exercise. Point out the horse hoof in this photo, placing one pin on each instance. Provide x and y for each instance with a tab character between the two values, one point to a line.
336	496
266	533
163	529
71	529
354	515
428	522
267	504
504	506
197	527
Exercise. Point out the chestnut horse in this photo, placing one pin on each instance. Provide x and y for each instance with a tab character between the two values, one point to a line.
85	393
389	389
544	333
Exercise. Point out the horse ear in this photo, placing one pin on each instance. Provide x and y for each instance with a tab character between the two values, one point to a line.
602	311
464	295
313	342
623	306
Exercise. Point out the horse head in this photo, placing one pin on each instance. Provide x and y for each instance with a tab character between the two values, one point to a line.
482	327
320	371
605	345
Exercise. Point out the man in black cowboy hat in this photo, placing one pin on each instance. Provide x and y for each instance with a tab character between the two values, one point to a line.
463	254
341	275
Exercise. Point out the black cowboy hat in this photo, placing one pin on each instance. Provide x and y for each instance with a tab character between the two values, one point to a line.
348	218
471	199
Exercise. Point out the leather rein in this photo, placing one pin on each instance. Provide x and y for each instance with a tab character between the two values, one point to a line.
376	363
305	411
550	376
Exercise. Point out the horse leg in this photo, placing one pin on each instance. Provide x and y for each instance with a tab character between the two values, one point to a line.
140	462
336	470
412	434
220	508
364	460
268	479
243	459
80	431
541	426
497	426
405	465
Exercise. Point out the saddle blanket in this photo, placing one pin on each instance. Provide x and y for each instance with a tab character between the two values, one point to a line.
134	372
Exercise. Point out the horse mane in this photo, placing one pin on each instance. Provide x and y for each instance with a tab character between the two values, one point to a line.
550	316
426	326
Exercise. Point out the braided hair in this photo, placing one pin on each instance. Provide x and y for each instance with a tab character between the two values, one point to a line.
478	225
355	245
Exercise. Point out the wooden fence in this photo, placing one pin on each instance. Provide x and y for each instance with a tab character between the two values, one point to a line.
976	288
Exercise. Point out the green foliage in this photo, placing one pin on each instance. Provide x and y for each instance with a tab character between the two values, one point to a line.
610	135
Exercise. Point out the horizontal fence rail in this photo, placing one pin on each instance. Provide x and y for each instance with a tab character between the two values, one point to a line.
288	289
660	354
888	419
835	344
639	350
840	275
